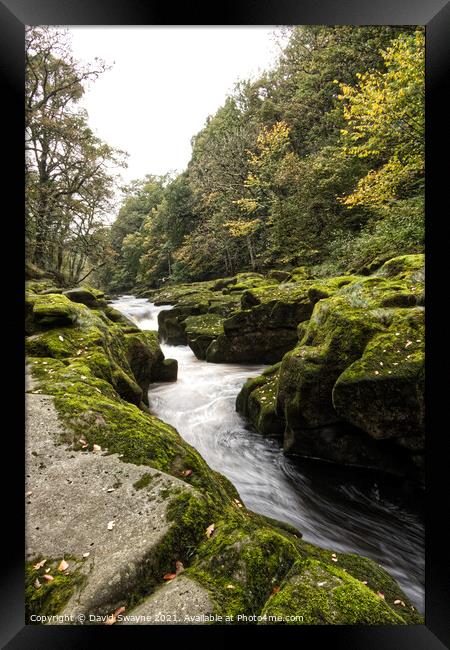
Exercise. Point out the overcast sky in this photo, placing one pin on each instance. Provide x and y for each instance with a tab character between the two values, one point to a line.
164	83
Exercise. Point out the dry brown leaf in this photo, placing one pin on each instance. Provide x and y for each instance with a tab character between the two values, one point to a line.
275	590
169	576
61	338
399	602
380	595
112	618
48	577
179	567
187	472
63	565
231	587
28	494
86	554
39	565
209	531
96	448
37	584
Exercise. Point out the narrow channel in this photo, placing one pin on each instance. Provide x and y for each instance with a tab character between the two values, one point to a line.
345	510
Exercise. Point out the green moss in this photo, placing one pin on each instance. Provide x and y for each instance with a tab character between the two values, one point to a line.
144	481
368	573
50	597
206	324
189	514
383	392
325	595
241	563
257	401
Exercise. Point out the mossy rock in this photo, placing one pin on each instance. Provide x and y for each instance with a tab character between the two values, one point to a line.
167	370
257	400
50	310
325	595
117	317
85	296
350	340
382	393
47	598
201	331
280	276
406	267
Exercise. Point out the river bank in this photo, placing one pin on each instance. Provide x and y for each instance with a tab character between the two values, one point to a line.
95	367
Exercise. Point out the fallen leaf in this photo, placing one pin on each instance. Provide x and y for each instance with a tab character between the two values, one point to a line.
96	448
364	582
61	338
380	595
28	494
169	576
48	577
209	531
275	590
86	554
179	567
63	565
112	618
231	587
408	343
187	472
39	565
37	584
399	602
111	489
334	559
321	584
111	524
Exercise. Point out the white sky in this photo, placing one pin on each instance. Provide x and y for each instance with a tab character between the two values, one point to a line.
164	84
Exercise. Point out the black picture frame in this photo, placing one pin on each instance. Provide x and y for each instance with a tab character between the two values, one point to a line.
14	15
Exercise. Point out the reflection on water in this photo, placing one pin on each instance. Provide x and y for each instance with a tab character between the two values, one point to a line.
353	511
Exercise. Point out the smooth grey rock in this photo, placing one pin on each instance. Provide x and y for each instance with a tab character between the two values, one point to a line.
178	602
69	508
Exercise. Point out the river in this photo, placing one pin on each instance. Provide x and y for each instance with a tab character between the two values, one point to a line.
337	508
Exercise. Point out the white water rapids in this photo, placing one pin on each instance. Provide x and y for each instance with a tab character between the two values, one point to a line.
337	508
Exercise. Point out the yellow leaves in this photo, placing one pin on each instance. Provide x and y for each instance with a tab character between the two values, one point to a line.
242	228
247	205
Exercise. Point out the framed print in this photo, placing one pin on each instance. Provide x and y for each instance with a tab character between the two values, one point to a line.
228	356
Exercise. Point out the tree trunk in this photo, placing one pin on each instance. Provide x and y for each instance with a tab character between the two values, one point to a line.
251	253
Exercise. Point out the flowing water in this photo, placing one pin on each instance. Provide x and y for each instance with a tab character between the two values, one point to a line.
341	509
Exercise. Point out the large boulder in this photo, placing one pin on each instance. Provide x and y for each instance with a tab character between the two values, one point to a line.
87	296
266	326
257	401
201	331
351	391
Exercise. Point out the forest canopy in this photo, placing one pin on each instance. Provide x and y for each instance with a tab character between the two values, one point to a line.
319	161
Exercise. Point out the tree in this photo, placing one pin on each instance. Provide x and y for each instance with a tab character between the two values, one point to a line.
68	178
385	124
